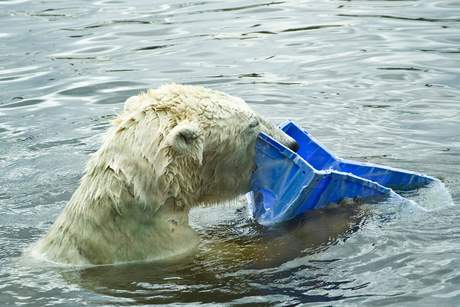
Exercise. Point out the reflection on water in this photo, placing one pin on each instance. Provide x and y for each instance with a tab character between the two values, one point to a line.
374	81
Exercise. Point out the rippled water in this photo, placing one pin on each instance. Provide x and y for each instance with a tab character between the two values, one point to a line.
375	81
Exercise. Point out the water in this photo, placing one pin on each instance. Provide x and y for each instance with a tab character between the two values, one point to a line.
374	81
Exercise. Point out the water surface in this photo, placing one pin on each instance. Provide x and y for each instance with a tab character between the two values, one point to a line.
375	81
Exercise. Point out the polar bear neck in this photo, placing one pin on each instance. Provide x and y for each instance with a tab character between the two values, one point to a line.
132	203
105	222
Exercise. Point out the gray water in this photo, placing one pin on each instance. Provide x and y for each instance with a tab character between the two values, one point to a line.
374	81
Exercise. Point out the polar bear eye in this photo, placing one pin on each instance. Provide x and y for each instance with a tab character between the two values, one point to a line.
254	123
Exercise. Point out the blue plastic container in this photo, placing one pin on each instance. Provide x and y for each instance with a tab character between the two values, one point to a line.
287	183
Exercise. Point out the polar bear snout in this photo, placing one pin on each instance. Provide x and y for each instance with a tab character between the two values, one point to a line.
278	134
294	146
289	142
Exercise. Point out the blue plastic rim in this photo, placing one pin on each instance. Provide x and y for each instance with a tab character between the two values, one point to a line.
286	184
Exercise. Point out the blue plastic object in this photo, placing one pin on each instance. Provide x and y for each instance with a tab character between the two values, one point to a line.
287	183
321	158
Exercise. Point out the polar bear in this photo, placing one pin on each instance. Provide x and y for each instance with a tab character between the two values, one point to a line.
171	149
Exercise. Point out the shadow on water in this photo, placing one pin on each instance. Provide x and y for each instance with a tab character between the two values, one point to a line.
237	258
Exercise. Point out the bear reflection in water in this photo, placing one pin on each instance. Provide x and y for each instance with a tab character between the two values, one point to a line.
310	232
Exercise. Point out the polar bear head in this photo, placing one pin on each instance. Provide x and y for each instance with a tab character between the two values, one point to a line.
204	138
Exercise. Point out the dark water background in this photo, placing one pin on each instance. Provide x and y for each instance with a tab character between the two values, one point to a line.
375	81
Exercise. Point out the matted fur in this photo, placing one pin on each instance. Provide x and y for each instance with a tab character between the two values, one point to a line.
171	149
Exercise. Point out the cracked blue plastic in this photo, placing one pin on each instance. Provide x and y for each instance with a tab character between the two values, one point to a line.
286	184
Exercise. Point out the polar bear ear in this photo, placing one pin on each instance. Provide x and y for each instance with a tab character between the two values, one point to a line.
186	139
132	103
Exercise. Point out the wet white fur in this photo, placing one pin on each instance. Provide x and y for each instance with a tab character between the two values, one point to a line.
171	149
